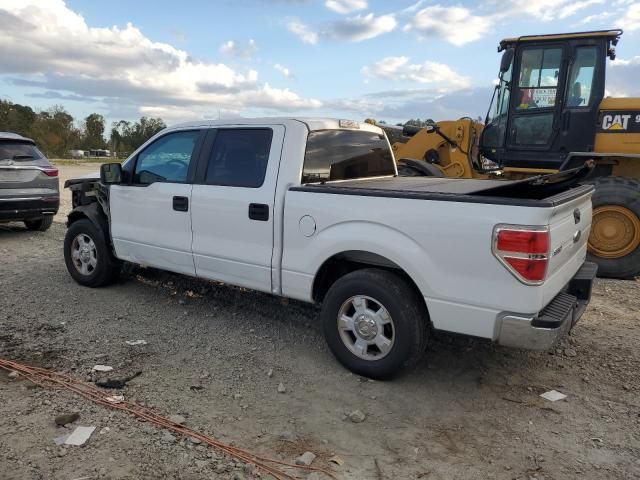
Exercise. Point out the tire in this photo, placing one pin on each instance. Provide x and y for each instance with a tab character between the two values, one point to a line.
621	194
40	224
404	309
100	267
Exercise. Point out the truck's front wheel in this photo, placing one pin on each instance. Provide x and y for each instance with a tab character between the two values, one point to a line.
374	322
88	257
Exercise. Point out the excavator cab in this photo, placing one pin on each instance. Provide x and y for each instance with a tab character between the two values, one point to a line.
546	103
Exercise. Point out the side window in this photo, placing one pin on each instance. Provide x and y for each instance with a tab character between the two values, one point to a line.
239	157
538	83
167	159
581	77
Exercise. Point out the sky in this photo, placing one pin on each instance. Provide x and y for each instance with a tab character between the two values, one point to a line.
196	59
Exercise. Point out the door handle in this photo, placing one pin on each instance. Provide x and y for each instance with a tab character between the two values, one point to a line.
259	211
181	204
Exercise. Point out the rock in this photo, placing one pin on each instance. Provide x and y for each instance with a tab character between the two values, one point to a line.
195	441
282	388
570	352
62	452
62	420
168	438
270	373
357	416
179	419
337	460
237	396
306	458
13	374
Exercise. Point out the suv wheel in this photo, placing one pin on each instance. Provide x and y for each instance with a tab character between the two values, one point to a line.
374	322
40	224
88	257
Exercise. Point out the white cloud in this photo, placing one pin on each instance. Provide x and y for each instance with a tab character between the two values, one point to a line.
622	77
283	70
570	9
46	45
346	6
234	49
362	27
630	21
302	31
441	76
457	25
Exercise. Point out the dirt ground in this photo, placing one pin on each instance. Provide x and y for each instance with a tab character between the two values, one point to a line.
470	410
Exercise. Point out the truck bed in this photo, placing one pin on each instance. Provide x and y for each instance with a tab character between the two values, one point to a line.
530	192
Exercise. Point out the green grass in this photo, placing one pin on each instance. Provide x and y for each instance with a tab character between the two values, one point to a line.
98	161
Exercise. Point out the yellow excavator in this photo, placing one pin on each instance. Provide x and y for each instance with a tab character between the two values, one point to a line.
548	114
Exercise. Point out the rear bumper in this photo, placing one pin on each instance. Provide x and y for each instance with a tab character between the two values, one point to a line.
542	331
21	208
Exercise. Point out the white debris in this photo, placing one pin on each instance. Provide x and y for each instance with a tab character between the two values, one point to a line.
79	436
115	398
553	395
306	458
61	439
337	460
102	368
136	342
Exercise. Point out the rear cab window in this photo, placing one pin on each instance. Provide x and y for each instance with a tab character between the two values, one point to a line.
346	155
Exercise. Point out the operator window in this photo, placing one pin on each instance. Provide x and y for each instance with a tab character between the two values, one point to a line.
581	77
538	83
167	159
239	157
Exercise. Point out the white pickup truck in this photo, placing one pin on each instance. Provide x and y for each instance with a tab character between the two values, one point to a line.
313	209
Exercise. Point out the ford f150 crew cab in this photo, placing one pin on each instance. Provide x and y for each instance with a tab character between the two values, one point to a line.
313	209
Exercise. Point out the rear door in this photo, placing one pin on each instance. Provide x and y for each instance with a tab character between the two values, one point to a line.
232	205
151	214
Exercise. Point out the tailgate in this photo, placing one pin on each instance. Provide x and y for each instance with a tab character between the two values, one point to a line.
569	228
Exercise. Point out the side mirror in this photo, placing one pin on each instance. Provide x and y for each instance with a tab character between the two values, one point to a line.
111	173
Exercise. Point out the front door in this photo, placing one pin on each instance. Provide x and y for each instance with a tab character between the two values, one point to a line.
151	214
232	205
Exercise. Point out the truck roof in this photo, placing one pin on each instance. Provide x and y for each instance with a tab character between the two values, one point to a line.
312	123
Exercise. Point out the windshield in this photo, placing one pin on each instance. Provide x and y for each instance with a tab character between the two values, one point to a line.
496	123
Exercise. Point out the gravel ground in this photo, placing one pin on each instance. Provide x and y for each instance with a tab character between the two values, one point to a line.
469	410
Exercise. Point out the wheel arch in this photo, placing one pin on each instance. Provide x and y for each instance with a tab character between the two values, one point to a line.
342	263
92	212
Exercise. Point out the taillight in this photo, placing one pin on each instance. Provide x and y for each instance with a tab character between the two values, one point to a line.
523	250
50	171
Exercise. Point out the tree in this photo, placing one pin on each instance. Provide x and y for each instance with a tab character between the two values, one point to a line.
94	126
127	136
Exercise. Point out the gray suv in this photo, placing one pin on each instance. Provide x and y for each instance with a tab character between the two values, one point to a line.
29	190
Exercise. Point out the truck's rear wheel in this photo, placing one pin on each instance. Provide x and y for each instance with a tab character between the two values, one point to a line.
88	257
374	322
614	242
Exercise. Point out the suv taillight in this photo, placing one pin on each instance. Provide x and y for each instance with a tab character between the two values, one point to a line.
523	250
50	171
